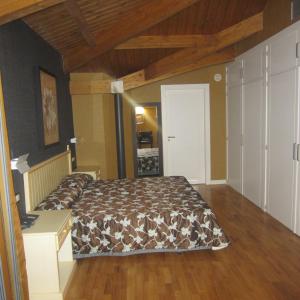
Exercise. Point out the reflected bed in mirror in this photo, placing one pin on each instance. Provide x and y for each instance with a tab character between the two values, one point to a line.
147	140
148	162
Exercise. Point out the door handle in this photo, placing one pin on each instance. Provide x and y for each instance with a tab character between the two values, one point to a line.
298	152
171	137
295	150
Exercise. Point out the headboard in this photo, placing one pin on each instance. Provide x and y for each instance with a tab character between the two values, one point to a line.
44	177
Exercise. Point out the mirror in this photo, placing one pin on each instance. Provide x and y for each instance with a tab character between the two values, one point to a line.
148	140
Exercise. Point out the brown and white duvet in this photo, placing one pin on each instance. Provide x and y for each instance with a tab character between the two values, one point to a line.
130	216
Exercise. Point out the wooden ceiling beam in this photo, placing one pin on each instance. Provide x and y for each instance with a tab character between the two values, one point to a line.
128	26
137	79
74	10
88	87
167	41
11	10
224	39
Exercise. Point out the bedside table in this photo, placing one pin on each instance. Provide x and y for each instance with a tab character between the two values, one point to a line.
48	253
91	170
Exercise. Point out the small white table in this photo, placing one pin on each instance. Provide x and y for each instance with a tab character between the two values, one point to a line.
91	170
48	252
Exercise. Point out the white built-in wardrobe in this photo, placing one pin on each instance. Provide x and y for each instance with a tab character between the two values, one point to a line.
263	131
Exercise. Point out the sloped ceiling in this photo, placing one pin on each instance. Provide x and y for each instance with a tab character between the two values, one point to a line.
74	25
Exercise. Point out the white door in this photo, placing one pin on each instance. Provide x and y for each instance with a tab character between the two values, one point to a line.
234	127
253	144
185	127
281	129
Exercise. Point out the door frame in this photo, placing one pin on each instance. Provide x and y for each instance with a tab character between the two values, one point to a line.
13	252
206	87
159	137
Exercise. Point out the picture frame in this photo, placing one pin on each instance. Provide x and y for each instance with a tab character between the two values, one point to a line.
48	108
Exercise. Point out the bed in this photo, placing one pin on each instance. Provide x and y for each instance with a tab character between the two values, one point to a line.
131	216
148	161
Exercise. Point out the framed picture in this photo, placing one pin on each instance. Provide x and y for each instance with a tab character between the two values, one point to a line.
49	108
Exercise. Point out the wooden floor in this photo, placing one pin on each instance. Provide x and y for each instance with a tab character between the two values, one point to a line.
262	262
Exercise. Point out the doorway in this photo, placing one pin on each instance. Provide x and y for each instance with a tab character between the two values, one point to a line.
147	140
186	131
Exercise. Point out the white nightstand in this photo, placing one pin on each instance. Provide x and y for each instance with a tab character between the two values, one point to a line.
91	170
48	253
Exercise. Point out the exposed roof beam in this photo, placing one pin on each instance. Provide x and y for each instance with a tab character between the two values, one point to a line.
11	10
128	26
88	87
74	10
137	79
167	41
224	39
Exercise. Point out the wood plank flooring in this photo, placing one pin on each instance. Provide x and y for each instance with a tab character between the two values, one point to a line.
262	262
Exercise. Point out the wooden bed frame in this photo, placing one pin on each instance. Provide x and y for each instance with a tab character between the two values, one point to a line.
44	177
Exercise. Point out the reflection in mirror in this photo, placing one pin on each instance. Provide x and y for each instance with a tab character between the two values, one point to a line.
147	141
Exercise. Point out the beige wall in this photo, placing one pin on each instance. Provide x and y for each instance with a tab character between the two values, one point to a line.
277	15
151	93
94	125
94	115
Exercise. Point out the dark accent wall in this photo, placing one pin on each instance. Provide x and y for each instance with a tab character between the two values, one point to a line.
22	51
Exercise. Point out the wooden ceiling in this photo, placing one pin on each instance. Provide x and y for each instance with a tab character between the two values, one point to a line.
128	37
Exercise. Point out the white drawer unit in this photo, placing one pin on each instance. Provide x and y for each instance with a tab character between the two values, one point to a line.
48	252
91	170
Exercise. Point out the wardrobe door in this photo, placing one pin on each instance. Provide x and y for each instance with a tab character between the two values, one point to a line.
297	166
253	142
297	228
282	110
282	116
283	52
234	77
234	127
254	110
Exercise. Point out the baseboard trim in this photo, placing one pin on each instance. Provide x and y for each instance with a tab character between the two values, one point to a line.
195	181
221	181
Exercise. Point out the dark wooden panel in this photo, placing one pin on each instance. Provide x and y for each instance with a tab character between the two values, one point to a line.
13	10
208	17
57	27
123	62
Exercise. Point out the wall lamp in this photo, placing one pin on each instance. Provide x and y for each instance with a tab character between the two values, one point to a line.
20	163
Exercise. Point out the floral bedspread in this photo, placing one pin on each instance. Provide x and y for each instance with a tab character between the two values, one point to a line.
129	216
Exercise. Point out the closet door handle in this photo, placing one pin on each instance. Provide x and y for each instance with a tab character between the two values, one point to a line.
295	146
